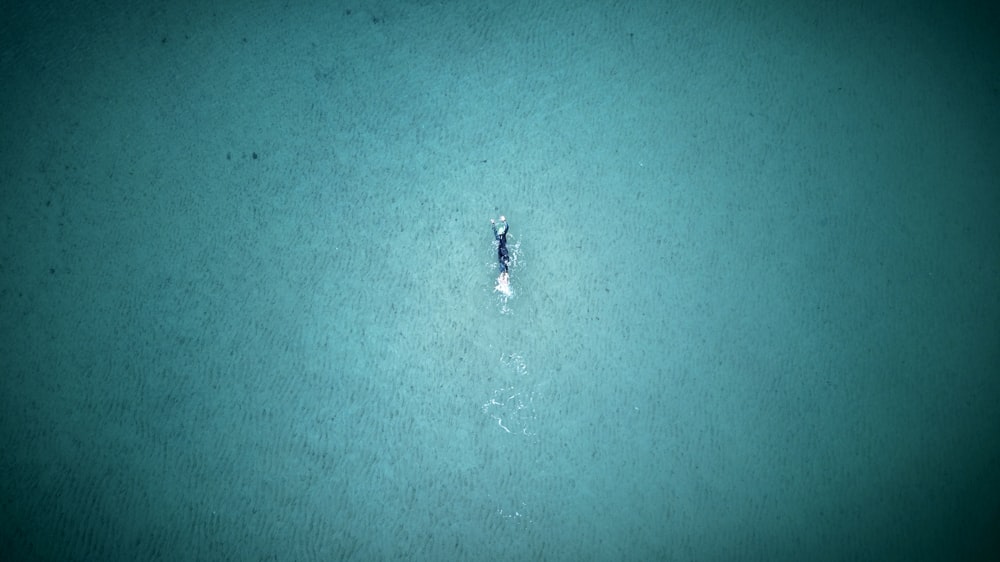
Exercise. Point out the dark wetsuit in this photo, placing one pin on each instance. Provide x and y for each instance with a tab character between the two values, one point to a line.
502	256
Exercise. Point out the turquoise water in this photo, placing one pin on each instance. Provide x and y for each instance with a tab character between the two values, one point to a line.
247	283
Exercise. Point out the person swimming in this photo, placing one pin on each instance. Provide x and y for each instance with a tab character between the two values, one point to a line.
503	256
500	233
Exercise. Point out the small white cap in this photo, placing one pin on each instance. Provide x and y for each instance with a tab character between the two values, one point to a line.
503	218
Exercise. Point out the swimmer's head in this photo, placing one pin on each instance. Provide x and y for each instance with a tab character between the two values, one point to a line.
503	218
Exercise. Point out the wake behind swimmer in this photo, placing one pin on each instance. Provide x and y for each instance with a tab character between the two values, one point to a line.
500	233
